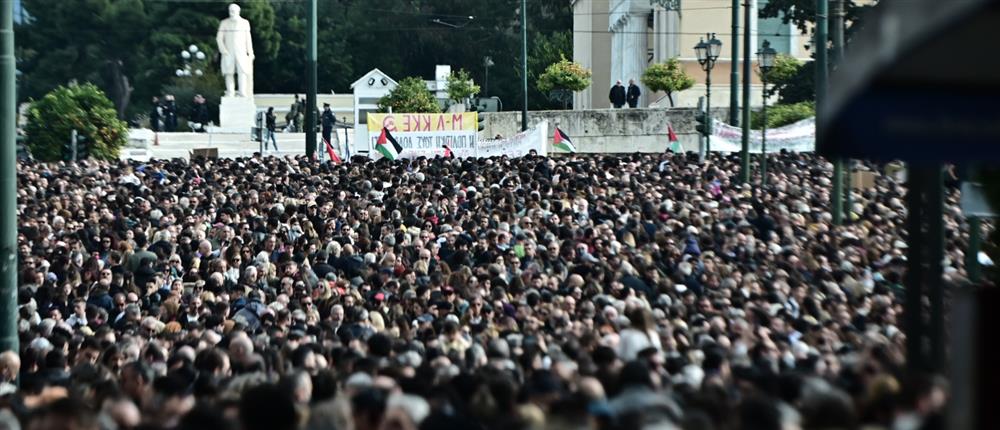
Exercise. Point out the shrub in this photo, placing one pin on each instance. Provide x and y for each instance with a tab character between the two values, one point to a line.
410	96
84	108
668	77
461	86
564	75
783	114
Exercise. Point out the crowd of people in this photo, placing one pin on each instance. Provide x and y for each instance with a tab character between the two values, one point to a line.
645	291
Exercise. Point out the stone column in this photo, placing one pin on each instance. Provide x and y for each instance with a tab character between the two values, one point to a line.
635	61
617	48
667	27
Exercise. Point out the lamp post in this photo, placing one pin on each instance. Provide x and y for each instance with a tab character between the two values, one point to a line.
707	53
487	63
765	61
191	56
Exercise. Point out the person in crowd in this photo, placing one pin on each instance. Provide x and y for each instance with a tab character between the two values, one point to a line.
200	117
292	117
270	118
169	113
156	115
328	122
598	292
633	94
617	95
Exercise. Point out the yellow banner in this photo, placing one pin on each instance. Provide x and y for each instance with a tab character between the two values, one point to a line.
423	122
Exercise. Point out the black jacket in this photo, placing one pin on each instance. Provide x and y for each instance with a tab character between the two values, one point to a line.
617	95
633	95
270	118
328	120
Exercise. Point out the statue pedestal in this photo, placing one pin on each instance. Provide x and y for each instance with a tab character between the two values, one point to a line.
237	115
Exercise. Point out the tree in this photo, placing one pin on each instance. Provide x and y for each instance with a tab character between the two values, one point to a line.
791	79
668	77
564	75
783	114
410	96
546	49
64	41
461	86
803	12
84	108
128	48
562	79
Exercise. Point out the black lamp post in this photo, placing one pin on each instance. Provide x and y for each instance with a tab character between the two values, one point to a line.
707	53
765	61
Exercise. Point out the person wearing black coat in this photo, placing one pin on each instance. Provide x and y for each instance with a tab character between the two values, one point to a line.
617	95
633	94
270	119
156	116
328	121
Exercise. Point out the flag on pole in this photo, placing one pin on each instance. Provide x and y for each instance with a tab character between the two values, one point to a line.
562	141
675	144
329	150
388	146
447	152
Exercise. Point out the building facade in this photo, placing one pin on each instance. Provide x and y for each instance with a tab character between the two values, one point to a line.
619	39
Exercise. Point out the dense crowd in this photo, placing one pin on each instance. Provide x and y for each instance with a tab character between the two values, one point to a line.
606	292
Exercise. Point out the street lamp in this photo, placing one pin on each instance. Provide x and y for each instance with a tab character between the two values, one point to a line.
487	63
707	53
189	56
765	61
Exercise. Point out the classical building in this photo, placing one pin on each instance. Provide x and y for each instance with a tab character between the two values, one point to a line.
618	39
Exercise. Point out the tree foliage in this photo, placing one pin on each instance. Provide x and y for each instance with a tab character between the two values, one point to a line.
668	77
84	108
130	48
783	114
410	96
564	75
787	76
802	13
461	86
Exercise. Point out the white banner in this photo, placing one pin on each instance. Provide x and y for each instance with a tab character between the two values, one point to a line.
797	137
518	145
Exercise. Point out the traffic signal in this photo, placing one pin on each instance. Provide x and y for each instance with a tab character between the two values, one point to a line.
704	126
480	120
82	147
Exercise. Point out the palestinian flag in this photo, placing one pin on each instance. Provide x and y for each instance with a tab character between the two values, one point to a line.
562	141
333	155
388	146
675	144
447	152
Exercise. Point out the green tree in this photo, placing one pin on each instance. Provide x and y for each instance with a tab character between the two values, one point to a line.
783	114
410	96
84	108
802	13
67	40
547	49
668	77
461	86
564	75
128	48
786	68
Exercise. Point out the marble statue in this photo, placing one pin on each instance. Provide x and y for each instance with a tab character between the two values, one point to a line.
236	48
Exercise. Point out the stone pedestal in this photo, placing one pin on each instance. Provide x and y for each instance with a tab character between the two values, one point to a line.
237	114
